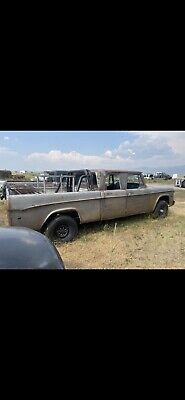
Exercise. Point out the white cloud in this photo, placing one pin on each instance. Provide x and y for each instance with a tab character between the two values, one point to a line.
176	140
7	151
108	153
60	160
143	148
150	149
6	138
57	155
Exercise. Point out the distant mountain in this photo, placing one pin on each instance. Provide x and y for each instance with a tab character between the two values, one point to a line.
177	169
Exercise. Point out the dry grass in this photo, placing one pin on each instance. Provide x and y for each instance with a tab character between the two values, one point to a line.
3	215
134	242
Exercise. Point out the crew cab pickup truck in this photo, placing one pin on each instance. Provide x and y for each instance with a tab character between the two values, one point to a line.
99	195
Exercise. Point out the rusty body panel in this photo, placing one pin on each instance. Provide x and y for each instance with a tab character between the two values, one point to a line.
34	210
115	198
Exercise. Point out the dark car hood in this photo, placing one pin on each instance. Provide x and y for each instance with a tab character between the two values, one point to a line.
23	248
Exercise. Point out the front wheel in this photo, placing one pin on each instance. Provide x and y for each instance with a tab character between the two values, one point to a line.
161	209
62	228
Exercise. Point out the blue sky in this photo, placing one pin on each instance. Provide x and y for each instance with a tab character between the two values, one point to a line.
63	150
82	142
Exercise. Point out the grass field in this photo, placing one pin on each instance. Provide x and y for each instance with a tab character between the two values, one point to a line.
133	242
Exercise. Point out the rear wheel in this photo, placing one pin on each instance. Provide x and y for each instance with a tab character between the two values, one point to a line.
62	228
183	184
161	209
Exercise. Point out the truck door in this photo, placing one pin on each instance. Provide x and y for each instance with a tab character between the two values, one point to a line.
138	196
113	203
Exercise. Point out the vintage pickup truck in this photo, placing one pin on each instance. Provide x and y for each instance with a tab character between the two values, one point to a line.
99	195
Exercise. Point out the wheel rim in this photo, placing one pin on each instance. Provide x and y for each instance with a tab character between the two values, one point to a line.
162	212
62	231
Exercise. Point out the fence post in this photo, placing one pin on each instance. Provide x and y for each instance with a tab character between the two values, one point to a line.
44	182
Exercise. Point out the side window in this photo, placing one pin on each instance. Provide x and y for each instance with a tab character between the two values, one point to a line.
134	181
84	185
112	182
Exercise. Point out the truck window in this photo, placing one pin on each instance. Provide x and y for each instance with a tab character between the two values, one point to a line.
134	181
84	185
112	182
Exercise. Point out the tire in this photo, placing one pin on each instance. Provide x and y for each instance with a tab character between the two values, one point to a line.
161	209
63	229
183	184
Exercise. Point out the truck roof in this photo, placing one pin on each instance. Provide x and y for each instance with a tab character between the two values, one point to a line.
108	171
104	171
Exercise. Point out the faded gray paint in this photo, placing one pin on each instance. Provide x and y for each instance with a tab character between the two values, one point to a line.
33	210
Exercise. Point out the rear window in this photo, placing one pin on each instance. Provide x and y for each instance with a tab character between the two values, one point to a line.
134	181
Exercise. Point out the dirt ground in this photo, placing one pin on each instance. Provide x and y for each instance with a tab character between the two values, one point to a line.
134	242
